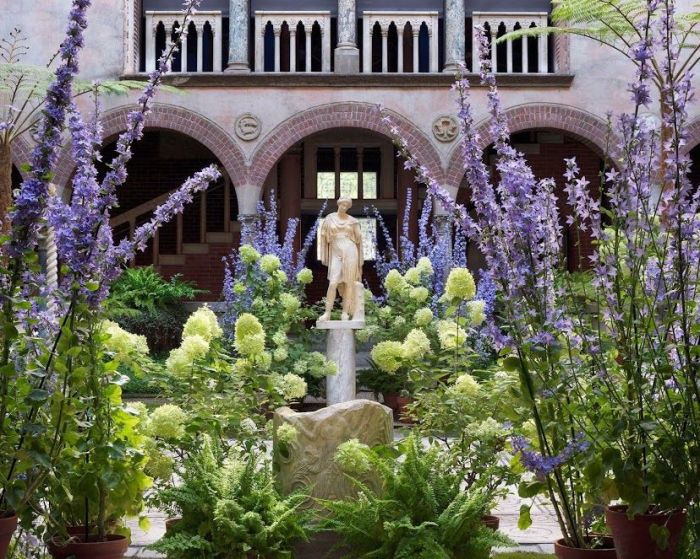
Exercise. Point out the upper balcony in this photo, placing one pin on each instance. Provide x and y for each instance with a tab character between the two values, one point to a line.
387	42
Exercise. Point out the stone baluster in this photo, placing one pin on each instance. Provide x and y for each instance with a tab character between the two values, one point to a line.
493	29
542	51
526	55
432	41
416	44
293	48
200	49
454	34
399	32
239	26
277	31
183	48
218	43
385	50
347	55
150	31
509	55
307	53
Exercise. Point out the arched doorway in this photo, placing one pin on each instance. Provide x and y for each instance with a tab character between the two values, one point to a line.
545	151
194	243
354	162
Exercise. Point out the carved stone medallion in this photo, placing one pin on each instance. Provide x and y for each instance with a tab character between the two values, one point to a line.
248	127
445	128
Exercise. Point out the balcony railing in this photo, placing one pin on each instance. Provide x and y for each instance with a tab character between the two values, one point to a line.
292	41
532	53
201	47
416	41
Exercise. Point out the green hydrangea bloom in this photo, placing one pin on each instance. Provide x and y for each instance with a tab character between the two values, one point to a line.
158	465
269	263
124	345
451	335
419	294
239	288
425	266
290	303
292	386
279	337
423	316
416	344
204	323
477	315
280	276
248	254
388	356
460	284
305	276
286	434
167	421
466	385
249	336
280	354
394	283
412	276
195	347
352	457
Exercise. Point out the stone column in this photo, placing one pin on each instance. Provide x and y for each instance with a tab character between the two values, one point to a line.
443	223
454	34
340	348
239	32
347	55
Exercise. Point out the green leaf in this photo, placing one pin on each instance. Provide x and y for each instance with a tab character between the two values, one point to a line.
524	520
38	395
511	364
529	489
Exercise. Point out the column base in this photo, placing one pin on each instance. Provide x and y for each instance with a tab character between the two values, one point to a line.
347	59
451	67
238	68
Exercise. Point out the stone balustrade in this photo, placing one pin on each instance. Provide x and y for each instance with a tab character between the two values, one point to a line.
408	28
201	24
290	27
498	24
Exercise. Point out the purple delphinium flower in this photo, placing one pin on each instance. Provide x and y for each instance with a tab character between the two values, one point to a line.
31	199
543	465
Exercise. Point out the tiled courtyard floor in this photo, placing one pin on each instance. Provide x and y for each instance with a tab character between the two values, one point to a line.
538	537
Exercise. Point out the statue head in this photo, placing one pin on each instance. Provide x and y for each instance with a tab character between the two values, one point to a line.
344	202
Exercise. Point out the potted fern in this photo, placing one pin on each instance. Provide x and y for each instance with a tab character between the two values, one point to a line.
420	509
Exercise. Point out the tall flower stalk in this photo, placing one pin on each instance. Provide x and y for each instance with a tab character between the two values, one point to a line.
42	357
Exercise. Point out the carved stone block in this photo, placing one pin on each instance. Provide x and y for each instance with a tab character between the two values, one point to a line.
307	463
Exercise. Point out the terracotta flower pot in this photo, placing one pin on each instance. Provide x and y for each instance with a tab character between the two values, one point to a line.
114	547
398	404
170	523
491	521
8	525
563	551
633	539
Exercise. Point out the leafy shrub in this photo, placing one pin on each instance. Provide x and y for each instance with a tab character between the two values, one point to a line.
228	507
421	512
144	303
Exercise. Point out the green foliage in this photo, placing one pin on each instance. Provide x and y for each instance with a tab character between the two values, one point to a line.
144	303
229	509
420	511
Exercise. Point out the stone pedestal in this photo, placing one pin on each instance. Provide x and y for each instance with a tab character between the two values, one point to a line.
307	462
340	348
347	59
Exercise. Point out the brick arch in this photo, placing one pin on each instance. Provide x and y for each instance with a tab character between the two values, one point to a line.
576	123
336	115
176	119
21	154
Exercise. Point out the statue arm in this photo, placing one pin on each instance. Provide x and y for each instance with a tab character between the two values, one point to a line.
360	250
323	242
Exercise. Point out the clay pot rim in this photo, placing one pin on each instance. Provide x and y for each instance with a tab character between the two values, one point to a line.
110	538
561	543
622	510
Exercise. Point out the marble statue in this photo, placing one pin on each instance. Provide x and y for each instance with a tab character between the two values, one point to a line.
340	244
